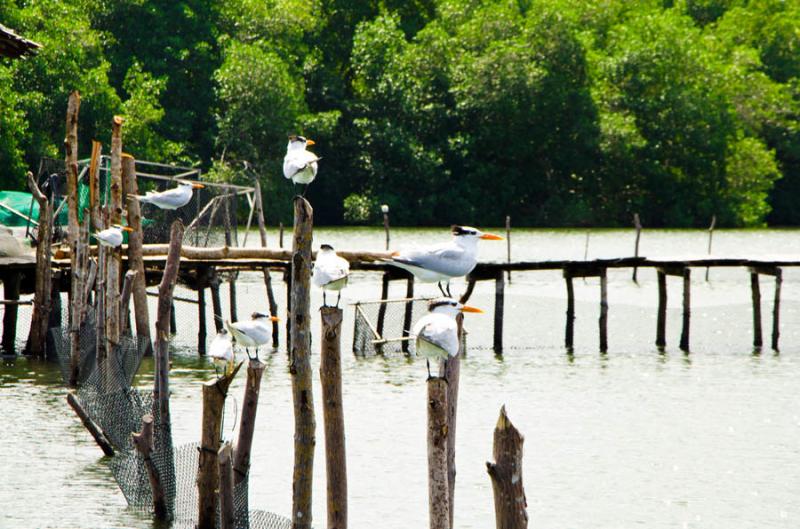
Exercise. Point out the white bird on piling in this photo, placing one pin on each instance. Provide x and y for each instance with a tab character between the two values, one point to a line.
436	333
253	333
174	198
221	352
443	262
330	272
112	236
300	165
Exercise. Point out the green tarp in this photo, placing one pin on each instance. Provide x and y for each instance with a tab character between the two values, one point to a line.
20	202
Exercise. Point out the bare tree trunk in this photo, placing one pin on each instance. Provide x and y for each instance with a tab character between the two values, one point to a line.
438	489
135	240
94	185
114	255
303	396
506	473
143	442
330	373
44	273
73	233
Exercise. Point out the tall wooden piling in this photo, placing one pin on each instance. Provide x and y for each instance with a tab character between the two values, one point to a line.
755	289
114	255
499	303
227	513
450	370
216	302
568	335
125	302
11	282
202	332
303	397
247	423
262	230
385	211
661	323
382	307
408	313
603	321
687	275
510	504
330	373
214	394
44	272
141	311
508	244
228	243
637	224
776	309
438	487
143	443
71	163
94	186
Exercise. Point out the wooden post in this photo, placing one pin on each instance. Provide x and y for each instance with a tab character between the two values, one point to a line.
100	305
638	226
247	423
687	274
330	373
44	273
135	262
71	162
227	514
603	311
568	336
228	242
303	396
11	283
165	292
262	230
216	303
202	333
499	303
143	442
382	308
756	297
710	236
438	488
450	370
114	255
214	394
280	235
661	323
97	434
510	504
409	312
287	278
508	244
94	186
385	211
776	309
125	301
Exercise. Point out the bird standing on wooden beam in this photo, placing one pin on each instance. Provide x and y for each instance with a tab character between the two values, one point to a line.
174	198
112	236
436	333
300	165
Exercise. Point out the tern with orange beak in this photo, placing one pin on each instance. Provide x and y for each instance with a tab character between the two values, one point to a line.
300	165
174	198
443	262
253	333
436	333
111	236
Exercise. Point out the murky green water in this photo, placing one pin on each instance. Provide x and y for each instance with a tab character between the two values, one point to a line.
633	437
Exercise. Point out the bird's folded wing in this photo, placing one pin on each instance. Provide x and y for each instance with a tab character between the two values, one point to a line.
432	259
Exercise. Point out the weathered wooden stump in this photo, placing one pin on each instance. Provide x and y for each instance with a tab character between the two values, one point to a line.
510	504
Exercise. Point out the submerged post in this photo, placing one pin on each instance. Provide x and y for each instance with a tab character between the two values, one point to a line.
508	244
776	309
247	423
303	396
499	304
568	335
408	314
11	282
438	487
661	323
330	374
710	236
382	307
755	288
385	211
510	504
141	312
44	272
638	226
687	274
603	311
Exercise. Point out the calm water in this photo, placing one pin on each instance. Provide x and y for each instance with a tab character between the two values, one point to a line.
633	437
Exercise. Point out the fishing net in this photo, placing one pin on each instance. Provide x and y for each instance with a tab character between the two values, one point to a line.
383	327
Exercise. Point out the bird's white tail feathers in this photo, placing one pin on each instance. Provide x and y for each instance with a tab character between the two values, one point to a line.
140	198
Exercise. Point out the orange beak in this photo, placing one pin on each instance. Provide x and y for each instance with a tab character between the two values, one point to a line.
309	143
467	308
491	237
274	318
198	186
128	228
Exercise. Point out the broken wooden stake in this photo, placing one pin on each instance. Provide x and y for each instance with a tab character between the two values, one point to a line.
510	505
97	434
143	442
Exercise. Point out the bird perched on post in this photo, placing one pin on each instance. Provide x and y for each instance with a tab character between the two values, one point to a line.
436	333
174	198
330	272
443	262
253	333
300	165
221	352
112	236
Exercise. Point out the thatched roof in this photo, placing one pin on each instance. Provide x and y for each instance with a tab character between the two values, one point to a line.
14	46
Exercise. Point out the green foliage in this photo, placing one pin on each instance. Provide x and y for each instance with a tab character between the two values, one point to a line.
552	111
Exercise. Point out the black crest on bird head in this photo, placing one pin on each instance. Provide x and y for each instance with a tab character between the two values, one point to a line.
326	247
461	230
257	315
441	302
295	137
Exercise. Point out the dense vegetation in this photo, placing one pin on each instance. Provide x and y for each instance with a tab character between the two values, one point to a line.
556	112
